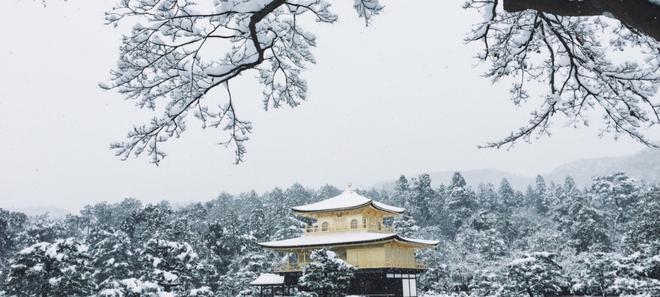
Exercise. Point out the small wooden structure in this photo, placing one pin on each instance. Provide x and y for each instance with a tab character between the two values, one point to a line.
352	226
269	284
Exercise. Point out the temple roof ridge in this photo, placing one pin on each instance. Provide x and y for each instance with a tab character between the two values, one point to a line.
349	199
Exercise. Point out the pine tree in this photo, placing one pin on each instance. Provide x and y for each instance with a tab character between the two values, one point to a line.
132	287
172	265
113	257
570	190
405	226
149	222
401	193
326	192
597	275
326	275
486	197
298	195
507	196
638	274
584	226
420	197
644	227
534	274
487	282
61	268
11	224
615	194
109	215
541	198
258	225
38	229
459	205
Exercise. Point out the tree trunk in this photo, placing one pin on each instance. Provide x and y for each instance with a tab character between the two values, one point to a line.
640	14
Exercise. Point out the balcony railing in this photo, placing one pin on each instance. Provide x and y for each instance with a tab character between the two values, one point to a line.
380	228
284	267
389	263
407	264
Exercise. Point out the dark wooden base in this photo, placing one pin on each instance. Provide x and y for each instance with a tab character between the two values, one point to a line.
381	282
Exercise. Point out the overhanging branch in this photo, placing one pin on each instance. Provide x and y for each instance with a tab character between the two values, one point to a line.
640	14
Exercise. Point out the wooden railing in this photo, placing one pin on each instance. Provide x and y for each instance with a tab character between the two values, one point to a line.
407	264
285	267
380	228
389	263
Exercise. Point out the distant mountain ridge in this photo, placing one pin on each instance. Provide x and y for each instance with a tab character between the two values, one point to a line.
644	165
53	212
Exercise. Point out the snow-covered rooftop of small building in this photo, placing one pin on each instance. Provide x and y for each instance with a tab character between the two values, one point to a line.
347	200
341	239
266	279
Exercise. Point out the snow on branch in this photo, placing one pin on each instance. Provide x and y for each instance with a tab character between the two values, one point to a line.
575	57
172	59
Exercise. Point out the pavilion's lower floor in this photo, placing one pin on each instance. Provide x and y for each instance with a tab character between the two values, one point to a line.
391	282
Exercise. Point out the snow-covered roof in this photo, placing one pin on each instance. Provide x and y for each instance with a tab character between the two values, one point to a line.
342	239
347	200
268	279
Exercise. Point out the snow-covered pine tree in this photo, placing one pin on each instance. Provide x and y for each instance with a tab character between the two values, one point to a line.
541	198
40	228
405	226
131	287
61	268
326	275
421	196
534	274
298	194
569	190
326	192
459	204
487	197
401	193
11	224
616	195
639	272
597	274
487	282
103	214
508	198
258	225
584	226
172	265
113	257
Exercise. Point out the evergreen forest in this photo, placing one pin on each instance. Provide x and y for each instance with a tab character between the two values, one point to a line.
546	240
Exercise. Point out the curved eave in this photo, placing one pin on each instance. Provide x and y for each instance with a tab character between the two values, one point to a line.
324	244
418	242
277	245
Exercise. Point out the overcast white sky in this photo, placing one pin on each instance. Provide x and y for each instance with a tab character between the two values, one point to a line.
399	97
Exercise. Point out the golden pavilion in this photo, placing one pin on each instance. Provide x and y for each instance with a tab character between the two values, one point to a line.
352	226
